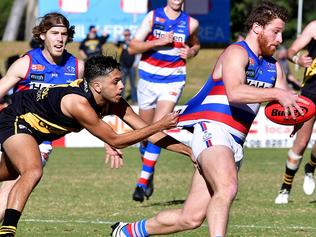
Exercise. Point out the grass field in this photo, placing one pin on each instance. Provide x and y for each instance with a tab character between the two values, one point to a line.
80	196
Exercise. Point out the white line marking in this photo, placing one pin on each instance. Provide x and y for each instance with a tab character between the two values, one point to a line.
100	222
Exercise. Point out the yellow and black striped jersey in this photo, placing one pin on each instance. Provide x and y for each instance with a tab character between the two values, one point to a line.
309	80
41	109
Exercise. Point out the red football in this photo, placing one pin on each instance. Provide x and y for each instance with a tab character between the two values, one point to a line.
275	112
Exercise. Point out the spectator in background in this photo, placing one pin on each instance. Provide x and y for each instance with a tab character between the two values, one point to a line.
92	44
281	55
128	65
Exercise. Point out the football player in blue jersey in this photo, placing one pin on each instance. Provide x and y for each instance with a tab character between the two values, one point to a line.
48	65
220	116
166	38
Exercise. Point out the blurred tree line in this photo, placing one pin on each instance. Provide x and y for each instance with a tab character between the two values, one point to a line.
5	9
240	9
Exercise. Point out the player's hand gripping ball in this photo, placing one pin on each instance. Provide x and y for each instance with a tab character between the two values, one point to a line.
275	112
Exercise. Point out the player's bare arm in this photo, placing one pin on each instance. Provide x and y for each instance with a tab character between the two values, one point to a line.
300	43
77	107
193	47
80	68
139	45
15	73
234	78
160	139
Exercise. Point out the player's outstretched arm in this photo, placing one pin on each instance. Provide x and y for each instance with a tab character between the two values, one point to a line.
160	139
78	107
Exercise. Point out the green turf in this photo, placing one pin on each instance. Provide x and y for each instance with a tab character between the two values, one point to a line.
80	196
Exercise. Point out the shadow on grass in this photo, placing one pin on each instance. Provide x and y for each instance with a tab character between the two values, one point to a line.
170	203
165	204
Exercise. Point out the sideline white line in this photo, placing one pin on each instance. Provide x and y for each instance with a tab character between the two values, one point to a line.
100	222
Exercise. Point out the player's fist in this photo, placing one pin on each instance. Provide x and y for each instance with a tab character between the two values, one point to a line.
169	121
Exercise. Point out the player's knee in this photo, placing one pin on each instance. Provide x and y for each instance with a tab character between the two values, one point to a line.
227	192
33	175
191	221
293	161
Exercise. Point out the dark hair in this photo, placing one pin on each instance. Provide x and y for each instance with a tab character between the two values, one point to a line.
265	13
50	20
91	27
10	60
99	66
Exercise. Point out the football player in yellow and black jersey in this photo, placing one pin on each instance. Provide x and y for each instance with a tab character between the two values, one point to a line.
50	64
295	154
50	113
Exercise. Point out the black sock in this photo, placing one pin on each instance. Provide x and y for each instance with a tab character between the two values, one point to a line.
288	178
10	222
310	166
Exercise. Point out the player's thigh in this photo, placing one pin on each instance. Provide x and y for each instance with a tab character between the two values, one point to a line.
218	166
147	94
23	159
7	171
163	107
217	153
198	198
147	115
170	91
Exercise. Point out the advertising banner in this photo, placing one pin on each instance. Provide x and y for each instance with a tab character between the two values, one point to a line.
108	16
116	15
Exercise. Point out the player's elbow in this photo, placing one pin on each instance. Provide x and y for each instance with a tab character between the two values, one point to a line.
233	97
131	50
117	143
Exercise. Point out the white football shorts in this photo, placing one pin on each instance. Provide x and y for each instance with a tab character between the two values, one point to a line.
207	134
148	93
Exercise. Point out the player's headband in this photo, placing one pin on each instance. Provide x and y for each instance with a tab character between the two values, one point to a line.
58	25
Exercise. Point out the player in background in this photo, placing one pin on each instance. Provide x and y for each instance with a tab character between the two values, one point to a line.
220	116
50	113
48	65
166	38
295	154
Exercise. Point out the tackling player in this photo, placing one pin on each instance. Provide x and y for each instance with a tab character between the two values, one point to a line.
51	112
48	65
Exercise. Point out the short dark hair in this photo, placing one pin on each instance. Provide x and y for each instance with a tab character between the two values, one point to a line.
50	20
99	66
265	13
